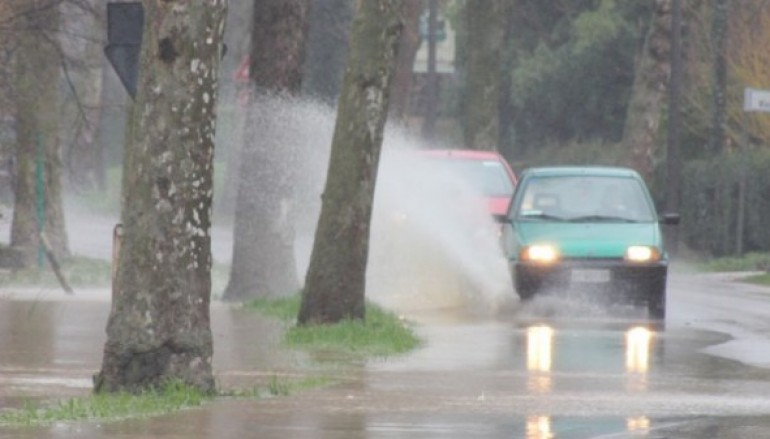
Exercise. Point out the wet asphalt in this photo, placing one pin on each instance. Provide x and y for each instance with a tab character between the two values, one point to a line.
555	368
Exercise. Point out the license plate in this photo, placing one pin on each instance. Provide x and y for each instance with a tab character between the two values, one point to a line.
590	276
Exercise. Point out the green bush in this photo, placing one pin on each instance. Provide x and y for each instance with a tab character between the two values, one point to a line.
710	201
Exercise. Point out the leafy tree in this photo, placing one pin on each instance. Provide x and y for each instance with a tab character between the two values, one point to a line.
570	66
263	252
485	31
648	95
719	38
335	281
747	64
159	326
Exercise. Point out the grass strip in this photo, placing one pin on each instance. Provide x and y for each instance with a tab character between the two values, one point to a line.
381	334
171	397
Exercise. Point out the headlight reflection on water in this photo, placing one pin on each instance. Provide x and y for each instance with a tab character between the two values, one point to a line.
539	357
638	341
539	427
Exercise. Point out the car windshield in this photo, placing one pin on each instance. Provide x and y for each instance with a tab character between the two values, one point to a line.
488	177
585	199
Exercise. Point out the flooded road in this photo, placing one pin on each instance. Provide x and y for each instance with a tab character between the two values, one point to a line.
540	372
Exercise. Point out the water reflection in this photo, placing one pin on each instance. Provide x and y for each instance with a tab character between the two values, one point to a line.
638	345
638	342
539	427
549	350
539	358
637	424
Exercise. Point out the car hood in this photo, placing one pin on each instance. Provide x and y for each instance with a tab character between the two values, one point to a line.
498	205
596	240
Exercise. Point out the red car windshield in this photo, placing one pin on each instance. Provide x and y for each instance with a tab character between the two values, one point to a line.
488	177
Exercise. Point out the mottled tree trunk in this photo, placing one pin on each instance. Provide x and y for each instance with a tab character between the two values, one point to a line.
263	252
335	283
481	97
408	46
327	48
36	100
159	325
641	133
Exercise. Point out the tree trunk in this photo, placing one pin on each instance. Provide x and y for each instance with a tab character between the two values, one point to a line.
327	48
38	162
641	136
335	283
84	158
263	253
719	38
486	29
159	326
408	46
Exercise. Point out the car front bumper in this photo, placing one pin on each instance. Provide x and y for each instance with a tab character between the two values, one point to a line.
615	276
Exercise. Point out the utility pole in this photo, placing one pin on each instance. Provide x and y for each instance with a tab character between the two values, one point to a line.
673	156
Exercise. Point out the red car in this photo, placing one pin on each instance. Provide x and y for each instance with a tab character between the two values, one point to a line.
485	171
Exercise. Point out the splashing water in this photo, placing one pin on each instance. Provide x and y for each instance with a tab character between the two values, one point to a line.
433	245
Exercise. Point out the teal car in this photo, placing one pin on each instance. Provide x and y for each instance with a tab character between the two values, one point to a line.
593	228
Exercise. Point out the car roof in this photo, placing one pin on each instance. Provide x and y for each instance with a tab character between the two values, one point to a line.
565	171
471	154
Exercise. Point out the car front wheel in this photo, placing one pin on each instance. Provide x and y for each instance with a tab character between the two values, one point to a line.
526	286
656	303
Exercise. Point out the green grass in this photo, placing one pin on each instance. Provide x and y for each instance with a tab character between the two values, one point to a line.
381	334
759	279
172	397
748	262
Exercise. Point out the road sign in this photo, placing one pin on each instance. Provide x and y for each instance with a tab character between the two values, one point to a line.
125	21
756	100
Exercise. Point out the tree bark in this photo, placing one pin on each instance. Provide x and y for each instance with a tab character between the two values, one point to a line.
327	49
38	162
641	133
408	46
481	99
335	283
263	253
159	326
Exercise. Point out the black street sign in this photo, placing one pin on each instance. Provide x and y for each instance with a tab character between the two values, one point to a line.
125	21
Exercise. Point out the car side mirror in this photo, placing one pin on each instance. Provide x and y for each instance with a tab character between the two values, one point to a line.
501	218
670	219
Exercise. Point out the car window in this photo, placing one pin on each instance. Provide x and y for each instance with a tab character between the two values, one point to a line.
585	198
488	177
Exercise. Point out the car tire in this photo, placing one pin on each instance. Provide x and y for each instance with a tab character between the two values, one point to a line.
656	303
525	286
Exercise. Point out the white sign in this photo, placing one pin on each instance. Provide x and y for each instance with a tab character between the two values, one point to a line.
756	100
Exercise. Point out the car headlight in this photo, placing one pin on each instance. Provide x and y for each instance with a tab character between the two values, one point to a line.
540	253
642	253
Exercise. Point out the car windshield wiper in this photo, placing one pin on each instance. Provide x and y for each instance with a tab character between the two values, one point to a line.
541	216
601	218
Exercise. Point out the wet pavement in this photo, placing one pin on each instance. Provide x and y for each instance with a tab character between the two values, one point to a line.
553	369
